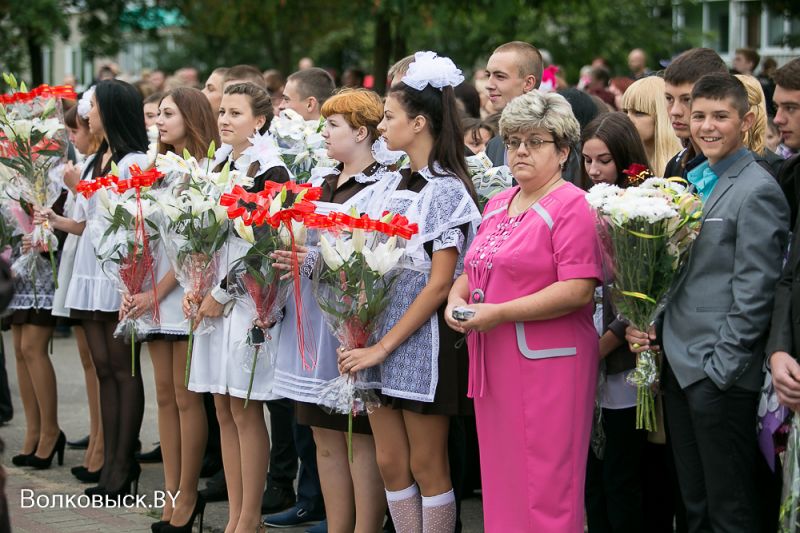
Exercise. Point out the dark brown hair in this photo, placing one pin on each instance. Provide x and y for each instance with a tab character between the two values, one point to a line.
692	65
439	109
314	82
199	122
246	73
788	76
619	134
529	59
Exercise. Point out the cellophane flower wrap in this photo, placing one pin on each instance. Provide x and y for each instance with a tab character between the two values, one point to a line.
125	239
353	283
33	144
646	232
488	179
789	517
301	144
268	221
195	228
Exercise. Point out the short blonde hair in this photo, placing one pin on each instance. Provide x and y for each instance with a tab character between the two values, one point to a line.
548	111
647	96
359	107
755	137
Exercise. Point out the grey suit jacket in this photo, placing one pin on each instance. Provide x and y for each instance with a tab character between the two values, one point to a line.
718	314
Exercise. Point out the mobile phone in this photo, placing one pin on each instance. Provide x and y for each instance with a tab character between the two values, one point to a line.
463	313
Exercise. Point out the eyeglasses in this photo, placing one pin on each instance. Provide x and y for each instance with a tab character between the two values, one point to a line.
534	143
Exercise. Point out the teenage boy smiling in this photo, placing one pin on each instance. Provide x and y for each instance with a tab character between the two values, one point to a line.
717	318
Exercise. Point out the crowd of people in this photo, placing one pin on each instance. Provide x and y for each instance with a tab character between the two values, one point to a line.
501	353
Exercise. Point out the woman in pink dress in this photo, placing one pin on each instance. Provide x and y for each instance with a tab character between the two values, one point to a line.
529	279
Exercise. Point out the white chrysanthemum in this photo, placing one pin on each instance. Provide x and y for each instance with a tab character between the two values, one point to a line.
599	194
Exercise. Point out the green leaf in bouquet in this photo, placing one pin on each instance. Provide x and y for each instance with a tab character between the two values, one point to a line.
212	149
23	88
10	80
186	154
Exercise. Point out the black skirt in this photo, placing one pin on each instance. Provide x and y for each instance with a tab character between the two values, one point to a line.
95	316
34	317
309	414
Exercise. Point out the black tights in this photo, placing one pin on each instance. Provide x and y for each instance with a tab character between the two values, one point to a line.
121	400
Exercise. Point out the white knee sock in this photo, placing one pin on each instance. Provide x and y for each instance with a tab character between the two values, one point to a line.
439	513
406	509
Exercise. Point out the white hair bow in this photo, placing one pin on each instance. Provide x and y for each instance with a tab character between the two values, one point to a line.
431	69
85	103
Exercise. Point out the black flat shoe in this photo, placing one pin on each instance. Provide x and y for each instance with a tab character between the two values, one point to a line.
40	463
80	444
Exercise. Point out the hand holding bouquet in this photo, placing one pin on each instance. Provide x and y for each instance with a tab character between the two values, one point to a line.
352	285
124	237
195	229
647	232
32	144
268	221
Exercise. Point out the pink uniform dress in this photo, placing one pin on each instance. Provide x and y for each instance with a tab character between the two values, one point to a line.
534	382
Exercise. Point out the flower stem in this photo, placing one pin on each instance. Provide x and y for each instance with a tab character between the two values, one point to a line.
189	354
53	267
133	351
252	376
350	436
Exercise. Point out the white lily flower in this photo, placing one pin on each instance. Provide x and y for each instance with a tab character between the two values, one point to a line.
359	239
275	205
329	255
244	231
384	257
49	127
344	247
21	130
298	230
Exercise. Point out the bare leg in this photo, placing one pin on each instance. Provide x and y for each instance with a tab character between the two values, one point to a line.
334	477
231	459
367	484
194	434
29	406
168	420
254	449
35	340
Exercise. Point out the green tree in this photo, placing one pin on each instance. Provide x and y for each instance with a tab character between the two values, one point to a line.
27	26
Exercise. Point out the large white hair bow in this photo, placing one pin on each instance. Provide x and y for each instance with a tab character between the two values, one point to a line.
431	69
85	103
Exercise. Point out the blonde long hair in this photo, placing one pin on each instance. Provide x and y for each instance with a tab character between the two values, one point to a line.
647	95
755	137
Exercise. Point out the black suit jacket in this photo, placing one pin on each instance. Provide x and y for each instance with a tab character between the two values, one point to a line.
785	328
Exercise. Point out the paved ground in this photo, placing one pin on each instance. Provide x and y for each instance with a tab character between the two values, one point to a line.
56	484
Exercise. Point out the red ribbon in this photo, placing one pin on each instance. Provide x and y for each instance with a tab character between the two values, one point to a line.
42	91
398	225
138	180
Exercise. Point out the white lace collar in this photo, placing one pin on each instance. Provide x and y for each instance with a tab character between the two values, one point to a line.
361	177
263	150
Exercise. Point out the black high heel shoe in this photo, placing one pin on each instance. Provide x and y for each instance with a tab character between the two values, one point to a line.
199	509
43	464
130	485
22	459
156	527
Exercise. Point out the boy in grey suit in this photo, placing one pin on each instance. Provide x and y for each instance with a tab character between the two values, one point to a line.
717	318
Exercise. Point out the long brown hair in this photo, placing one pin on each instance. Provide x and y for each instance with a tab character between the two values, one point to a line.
199	122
